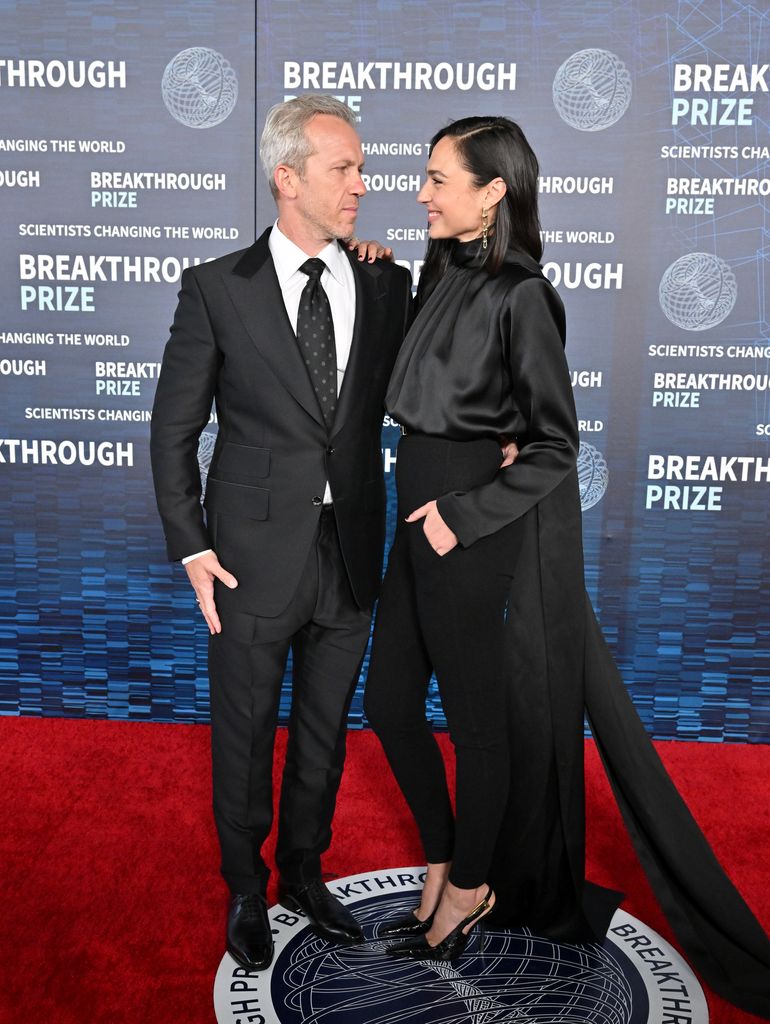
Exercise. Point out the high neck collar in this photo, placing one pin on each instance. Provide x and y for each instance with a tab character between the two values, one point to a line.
473	255
468	254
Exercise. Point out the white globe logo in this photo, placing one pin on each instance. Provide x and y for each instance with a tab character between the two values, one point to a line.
593	475
206	443
199	87
592	90
697	291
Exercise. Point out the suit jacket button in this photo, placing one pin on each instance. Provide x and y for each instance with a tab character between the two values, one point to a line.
317	500
330	451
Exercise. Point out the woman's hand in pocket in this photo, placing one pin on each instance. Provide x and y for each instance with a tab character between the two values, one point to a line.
438	534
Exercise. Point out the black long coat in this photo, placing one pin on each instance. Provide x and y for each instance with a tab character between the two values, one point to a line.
475	338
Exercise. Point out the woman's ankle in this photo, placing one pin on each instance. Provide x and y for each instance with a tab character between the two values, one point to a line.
465	898
433	888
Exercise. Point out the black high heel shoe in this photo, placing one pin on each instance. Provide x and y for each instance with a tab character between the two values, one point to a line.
405	927
451	947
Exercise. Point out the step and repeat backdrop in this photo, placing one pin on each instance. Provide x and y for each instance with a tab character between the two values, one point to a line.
127	152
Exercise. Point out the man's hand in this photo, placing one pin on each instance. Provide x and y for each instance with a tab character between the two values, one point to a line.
370	251
439	536
510	452
201	572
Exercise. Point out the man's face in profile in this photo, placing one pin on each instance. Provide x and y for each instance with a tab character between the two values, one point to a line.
330	185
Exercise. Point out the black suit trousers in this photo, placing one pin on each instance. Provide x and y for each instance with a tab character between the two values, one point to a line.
326	632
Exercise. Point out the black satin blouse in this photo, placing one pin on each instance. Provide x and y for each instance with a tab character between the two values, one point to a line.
484	358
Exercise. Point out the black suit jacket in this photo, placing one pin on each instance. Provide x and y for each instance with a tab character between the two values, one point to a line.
231	342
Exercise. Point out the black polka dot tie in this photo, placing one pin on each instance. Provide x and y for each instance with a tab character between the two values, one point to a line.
315	337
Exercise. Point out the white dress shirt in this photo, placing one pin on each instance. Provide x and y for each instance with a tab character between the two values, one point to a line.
337	281
340	286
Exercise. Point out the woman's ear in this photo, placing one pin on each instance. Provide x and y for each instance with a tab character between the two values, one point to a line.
494	192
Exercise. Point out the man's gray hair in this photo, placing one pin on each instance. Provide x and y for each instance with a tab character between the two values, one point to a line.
283	139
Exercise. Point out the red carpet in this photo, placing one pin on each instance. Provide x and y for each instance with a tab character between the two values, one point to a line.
112	906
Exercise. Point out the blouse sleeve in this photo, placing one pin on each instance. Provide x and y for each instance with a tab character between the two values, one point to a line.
533	328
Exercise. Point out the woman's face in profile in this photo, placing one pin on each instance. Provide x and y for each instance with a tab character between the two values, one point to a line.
452	201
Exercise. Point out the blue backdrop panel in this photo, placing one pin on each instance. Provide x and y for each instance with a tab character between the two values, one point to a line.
651	125
95	621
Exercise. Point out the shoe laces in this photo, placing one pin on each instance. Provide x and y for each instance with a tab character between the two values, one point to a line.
252	906
318	889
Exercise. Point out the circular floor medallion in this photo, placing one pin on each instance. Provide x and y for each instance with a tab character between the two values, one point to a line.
635	977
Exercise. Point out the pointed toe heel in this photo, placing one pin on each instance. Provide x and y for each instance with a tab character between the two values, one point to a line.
405	927
450	948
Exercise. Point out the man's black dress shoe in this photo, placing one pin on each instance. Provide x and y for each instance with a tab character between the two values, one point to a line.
249	938
328	918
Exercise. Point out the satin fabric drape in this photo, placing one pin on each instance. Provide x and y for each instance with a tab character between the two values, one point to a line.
485	356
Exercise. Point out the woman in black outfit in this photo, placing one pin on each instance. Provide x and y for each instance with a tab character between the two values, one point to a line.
485	586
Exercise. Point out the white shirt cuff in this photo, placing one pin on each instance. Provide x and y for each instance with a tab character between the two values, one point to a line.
196	555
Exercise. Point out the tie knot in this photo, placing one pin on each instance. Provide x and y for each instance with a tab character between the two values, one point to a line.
313	268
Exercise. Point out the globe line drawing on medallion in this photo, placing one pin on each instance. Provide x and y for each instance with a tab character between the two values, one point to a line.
199	87
593	475
592	90
482	1008
509	978
698	291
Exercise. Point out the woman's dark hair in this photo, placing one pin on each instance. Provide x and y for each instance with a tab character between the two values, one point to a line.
491	147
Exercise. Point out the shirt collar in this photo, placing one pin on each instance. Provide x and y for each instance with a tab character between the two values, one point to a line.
288	257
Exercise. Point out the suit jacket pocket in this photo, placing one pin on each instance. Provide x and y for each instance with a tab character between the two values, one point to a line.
231	499
242	463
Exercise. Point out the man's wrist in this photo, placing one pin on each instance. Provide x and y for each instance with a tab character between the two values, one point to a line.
191	558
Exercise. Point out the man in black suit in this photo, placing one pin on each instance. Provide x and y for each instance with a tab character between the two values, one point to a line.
296	353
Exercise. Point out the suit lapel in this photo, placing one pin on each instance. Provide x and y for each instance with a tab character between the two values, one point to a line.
254	290
366	331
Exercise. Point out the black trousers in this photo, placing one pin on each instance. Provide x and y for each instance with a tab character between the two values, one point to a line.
446	614
327	634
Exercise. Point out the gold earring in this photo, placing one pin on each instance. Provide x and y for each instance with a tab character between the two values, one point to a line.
484	226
